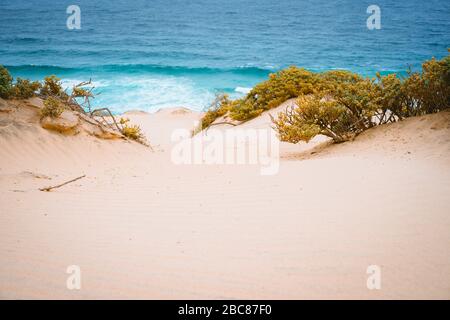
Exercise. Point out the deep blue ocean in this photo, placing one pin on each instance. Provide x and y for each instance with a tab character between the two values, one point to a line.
159	53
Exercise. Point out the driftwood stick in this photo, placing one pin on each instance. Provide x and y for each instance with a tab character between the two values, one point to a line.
62	184
219	123
110	114
223	122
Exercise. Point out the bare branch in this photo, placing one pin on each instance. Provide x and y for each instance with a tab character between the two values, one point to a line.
47	189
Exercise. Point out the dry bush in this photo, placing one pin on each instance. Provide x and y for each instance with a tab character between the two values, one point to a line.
133	132
281	86
52	88
344	104
218	108
315	114
79	92
24	88
52	108
355	102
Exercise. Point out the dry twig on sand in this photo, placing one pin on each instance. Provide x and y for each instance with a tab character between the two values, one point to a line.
47	189
220	123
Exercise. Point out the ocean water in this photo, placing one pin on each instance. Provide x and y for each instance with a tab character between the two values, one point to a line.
163	53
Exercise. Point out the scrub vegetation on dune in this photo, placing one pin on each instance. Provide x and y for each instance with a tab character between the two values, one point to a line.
130	131
56	100
52	108
339	104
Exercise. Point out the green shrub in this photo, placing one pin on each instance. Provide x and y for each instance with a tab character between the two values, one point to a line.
79	92
429	91
338	103
339	111
391	99
419	93
281	86
52	108
334	77
24	89
361	100
344	104
5	83
52	87
340	114
218	108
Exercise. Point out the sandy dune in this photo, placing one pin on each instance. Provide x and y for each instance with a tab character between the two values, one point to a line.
141	227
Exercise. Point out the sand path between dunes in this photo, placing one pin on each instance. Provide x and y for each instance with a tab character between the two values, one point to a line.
141	227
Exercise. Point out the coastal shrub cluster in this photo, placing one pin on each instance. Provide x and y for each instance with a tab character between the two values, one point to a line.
339	104
52	88
52	108
56	100
21	89
281	86
24	88
345	108
218	108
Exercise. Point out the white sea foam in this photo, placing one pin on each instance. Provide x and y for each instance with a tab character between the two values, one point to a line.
147	93
243	90
69	83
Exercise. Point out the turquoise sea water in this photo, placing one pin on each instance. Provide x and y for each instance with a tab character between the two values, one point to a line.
153	54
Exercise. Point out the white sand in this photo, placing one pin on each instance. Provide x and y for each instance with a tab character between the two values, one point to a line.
140	227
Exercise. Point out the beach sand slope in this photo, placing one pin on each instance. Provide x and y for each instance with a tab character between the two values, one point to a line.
139	226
